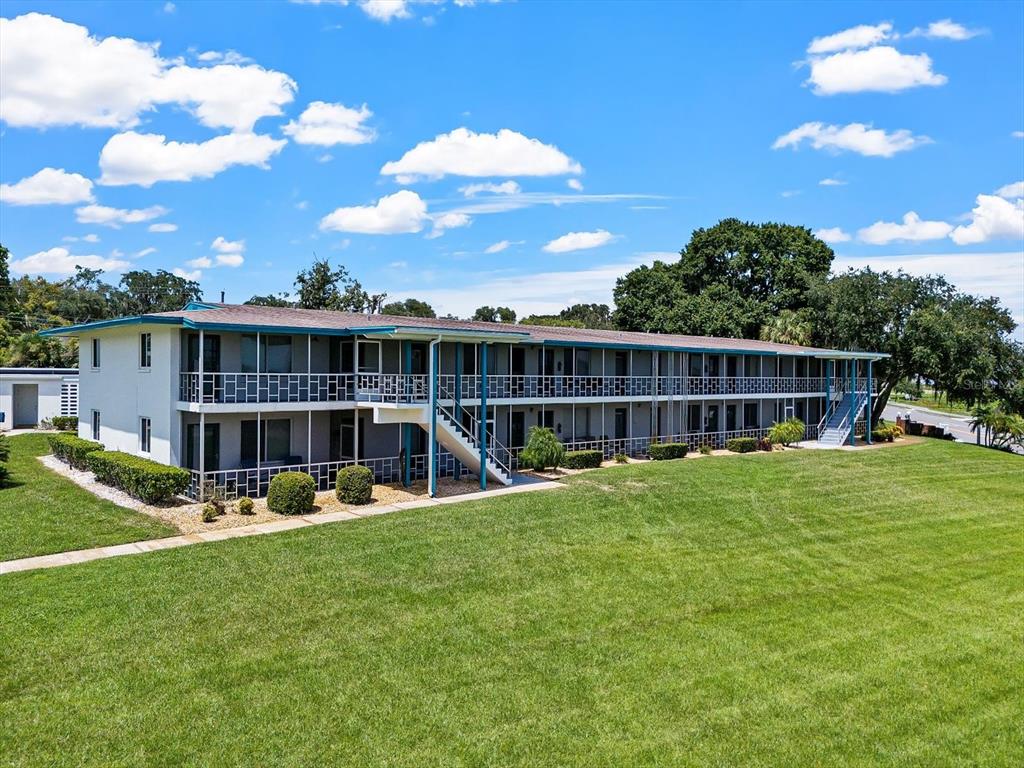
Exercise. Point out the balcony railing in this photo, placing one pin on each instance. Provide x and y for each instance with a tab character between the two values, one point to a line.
415	388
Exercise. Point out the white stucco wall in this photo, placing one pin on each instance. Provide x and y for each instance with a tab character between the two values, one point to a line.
48	395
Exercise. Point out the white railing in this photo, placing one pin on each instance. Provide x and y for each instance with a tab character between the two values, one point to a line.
302	387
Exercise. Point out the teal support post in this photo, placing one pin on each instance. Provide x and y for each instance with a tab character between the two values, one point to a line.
483	417
458	396
868	410
433	420
407	428
853	400
828	385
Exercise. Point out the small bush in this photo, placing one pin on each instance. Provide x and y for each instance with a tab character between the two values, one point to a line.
764	444
583	459
291	493
742	444
355	485
209	513
72	449
705	450
542	449
666	451
65	423
245	506
147	480
5	456
786	432
621	458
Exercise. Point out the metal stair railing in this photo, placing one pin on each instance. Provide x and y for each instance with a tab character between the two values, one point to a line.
844	426
498	454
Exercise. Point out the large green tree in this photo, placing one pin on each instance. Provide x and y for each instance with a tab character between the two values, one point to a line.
730	280
409	308
597	316
488	314
325	287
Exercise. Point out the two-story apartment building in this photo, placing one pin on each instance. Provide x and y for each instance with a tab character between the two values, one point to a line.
239	393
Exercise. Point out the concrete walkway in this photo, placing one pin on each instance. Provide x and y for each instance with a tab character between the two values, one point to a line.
171	542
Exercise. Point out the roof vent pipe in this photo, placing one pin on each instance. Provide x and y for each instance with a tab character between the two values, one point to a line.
222	297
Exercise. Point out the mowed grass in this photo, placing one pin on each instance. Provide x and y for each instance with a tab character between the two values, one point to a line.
42	512
803	608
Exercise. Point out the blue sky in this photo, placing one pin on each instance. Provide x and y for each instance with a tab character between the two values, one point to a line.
506	153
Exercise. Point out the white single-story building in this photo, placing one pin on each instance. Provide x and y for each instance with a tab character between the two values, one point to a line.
29	396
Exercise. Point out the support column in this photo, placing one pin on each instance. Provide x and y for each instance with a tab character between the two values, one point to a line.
458	397
867	411
202	366
432	474
483	417
309	442
407	428
852	366
259	449
202	454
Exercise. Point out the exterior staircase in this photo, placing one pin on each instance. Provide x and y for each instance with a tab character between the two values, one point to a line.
834	428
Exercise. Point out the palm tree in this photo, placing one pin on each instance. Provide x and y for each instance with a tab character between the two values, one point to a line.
981	421
787	327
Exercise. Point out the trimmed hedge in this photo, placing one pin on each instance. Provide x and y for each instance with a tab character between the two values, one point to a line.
742	444
354	485
665	451
147	480
73	450
65	423
291	493
582	459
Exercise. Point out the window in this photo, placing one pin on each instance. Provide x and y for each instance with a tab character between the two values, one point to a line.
95	425
694	418
276	439
369	357
752	365
750	415
95	353
145	350
696	365
145	431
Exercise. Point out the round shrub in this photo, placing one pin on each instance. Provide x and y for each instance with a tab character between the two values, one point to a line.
245	506
355	485
705	450
582	459
291	493
742	444
621	458
209	513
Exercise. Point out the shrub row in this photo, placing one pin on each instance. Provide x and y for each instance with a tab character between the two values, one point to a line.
65	423
5	455
741	444
291	493
72	449
885	433
144	479
664	451
582	459
354	485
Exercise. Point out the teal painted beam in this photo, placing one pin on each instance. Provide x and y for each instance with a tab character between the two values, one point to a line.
483	417
433	420
458	396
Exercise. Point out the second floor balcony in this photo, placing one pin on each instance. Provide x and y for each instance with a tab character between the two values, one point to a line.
233	388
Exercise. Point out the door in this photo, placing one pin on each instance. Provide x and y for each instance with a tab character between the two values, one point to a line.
621	427
212	447
418	361
26	405
518	435
730	417
711	418
713	362
518	372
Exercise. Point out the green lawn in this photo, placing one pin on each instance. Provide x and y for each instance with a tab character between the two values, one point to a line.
802	608
932	402
41	512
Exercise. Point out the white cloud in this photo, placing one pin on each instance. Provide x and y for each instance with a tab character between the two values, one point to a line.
855	137
194	275
790	192
144	252
223	57
163	227
229	252
946	29
832	235
578	241
448	221
1018	134
59	261
862	36
913	229
466	153
203	262
1012	190
170	7
881	68
50	186
575	184
115	217
90	238
505	188
385	10
146	158
325	158
230	260
992	218
402	212
78	79
832	183
326	124
498	247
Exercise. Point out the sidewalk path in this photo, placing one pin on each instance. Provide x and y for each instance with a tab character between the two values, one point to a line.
152	545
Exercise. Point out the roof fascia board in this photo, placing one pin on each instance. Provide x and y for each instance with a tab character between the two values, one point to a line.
74	330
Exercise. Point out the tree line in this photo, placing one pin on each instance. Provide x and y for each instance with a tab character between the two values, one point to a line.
736	279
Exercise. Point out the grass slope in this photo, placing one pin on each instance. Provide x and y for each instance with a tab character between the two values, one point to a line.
41	512
801	608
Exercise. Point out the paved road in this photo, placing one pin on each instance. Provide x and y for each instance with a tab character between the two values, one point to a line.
958	426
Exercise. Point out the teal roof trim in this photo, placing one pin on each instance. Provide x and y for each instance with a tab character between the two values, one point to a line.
74	330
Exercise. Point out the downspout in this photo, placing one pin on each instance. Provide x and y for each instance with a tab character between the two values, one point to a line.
458	396
432	482
483	416
407	428
868	411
